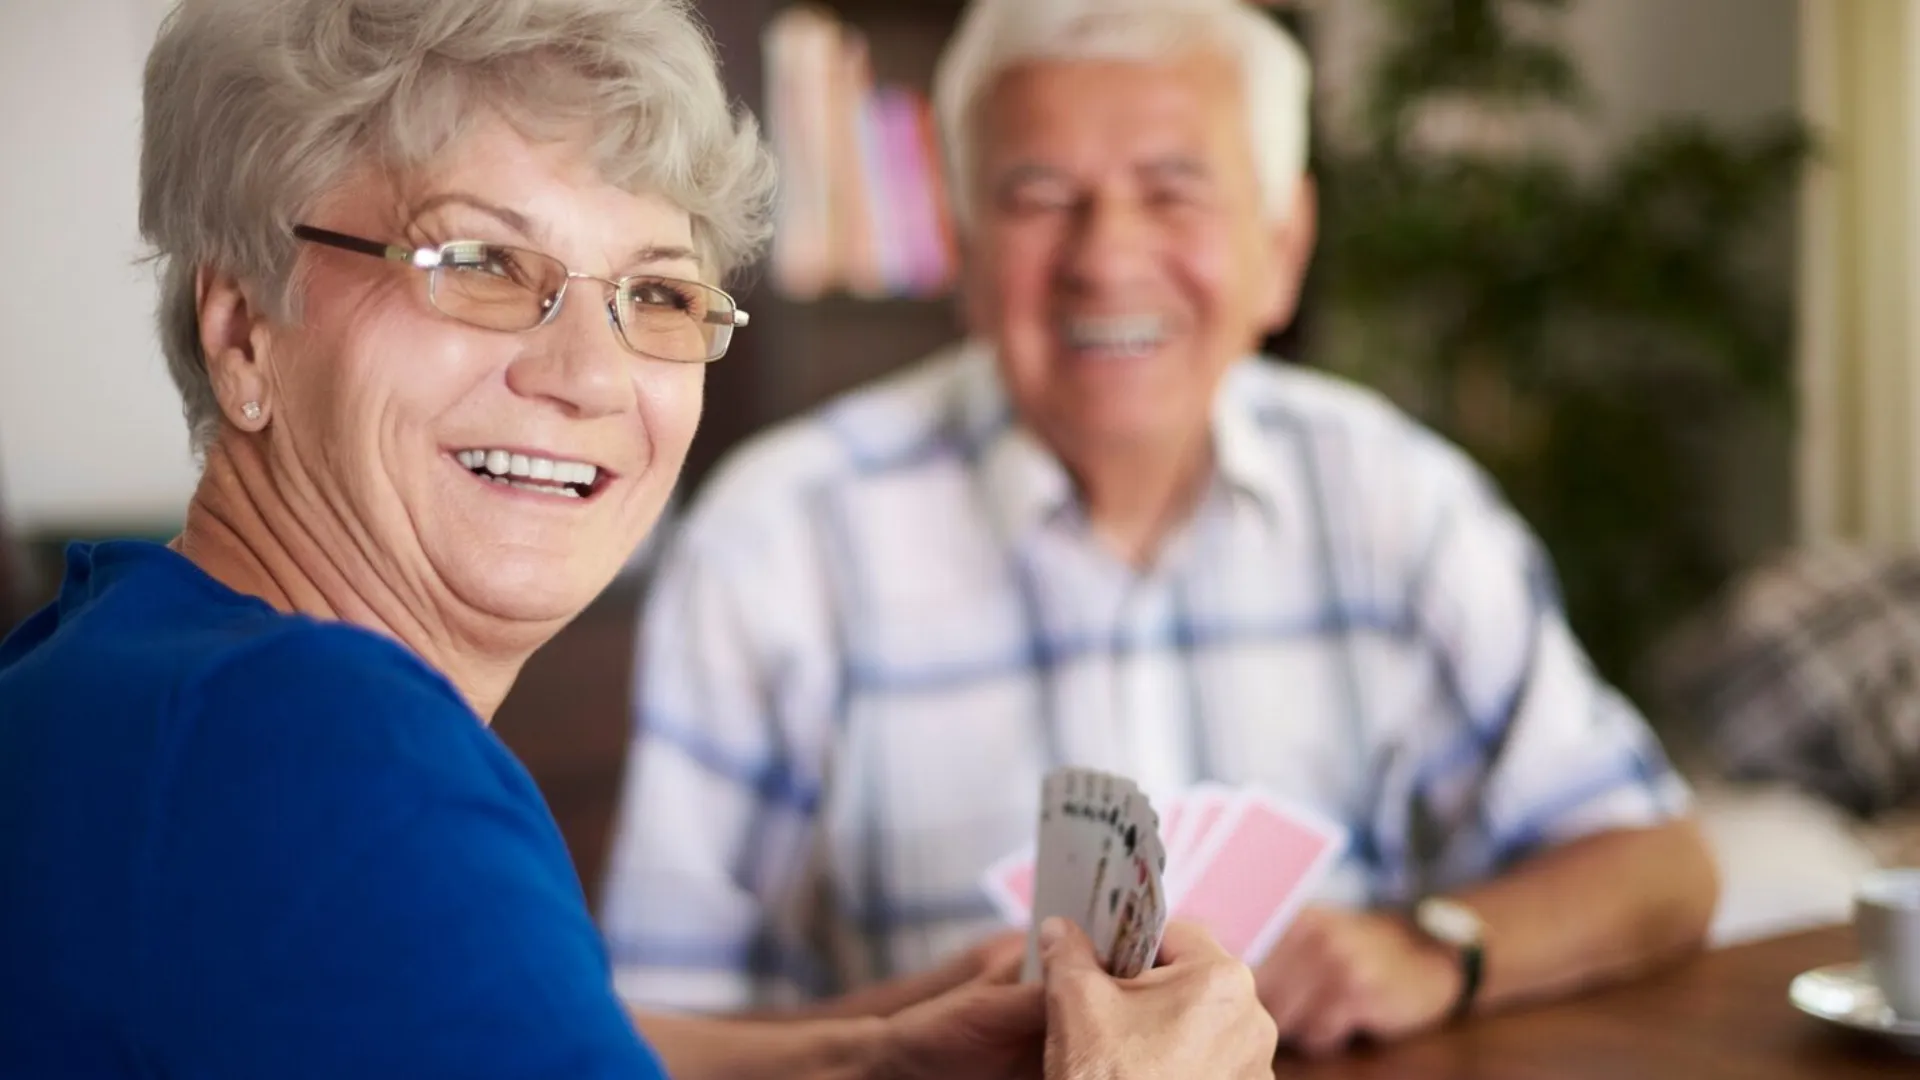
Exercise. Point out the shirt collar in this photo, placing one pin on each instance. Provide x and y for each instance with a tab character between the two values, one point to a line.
1026	485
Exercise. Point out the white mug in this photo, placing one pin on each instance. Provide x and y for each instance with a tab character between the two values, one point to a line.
1886	919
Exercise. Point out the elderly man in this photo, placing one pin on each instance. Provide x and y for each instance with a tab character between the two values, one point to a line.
1101	533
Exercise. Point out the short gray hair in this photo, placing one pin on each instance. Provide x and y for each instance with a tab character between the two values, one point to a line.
996	36
255	108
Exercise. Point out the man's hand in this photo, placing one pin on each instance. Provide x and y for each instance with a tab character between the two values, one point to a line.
1338	974
988	1028
995	960
1197	1015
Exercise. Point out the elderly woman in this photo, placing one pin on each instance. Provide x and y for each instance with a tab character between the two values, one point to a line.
438	282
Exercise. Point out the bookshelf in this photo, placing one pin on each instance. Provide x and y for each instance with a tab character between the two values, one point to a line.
800	351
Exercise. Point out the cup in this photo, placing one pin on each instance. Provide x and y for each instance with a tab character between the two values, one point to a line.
1886	919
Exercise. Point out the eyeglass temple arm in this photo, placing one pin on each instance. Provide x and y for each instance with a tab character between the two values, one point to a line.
353	243
735	318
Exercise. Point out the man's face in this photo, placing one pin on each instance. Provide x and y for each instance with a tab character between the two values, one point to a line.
1120	257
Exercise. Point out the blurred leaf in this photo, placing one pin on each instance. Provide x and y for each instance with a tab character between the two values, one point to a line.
1614	306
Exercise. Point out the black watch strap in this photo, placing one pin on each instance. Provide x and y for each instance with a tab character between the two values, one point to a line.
1472	964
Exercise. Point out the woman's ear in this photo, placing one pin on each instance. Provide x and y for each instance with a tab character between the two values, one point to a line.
1293	240
231	332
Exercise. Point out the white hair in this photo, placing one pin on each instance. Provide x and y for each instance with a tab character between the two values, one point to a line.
254	109
995	36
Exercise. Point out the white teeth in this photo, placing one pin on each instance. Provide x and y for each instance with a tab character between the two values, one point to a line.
544	489
1132	334
546	474
574	472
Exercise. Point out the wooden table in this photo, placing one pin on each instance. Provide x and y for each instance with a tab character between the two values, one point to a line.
1722	1015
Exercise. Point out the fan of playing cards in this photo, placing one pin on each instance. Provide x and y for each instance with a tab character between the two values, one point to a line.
1237	861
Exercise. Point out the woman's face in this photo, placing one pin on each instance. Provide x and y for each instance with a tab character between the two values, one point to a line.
380	404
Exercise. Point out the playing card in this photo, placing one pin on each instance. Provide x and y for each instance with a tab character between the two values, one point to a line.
1170	816
1081	823
1009	884
1258	865
1201	809
1133	912
1142	921
1120	889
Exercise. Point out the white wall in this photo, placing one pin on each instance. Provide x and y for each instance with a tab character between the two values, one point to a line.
90	428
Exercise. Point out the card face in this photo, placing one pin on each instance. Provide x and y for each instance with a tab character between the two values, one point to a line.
1133	912
1256	868
1117	888
1099	861
1142	922
1081	823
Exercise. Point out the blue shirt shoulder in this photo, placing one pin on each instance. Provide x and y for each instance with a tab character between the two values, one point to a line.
239	843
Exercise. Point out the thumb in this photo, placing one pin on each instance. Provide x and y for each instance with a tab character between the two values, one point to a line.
1065	949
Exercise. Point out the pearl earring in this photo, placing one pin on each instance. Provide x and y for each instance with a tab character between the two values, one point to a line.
251	410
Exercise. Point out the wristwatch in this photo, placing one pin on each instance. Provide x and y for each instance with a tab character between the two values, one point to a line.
1455	925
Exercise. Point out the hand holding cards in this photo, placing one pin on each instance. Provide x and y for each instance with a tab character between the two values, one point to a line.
1099	863
1241	862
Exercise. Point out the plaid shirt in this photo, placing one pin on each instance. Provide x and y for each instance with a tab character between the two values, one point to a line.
881	625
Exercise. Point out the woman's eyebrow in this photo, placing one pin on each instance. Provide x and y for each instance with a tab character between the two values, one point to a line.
659	253
512	219
646	255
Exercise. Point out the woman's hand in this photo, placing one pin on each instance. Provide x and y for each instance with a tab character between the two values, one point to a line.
1195	1015
988	1027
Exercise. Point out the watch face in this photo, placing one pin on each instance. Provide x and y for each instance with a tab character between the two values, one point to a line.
1451	922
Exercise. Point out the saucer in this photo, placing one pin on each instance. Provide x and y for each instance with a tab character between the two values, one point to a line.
1845	994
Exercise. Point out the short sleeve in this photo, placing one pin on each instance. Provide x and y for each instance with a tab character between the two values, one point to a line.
1550	752
348	877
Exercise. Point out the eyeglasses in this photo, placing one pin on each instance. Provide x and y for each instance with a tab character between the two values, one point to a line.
499	287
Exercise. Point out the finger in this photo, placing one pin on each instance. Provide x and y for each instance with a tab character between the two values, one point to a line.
1295	979
1328	1031
1000	957
1003	1013
1065	950
1292	996
1185	942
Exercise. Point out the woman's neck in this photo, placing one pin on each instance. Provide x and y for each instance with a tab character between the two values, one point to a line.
240	532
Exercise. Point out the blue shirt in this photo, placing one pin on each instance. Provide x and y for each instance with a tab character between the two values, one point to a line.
237	843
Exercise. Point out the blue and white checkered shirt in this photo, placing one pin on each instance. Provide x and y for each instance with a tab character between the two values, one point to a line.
882	624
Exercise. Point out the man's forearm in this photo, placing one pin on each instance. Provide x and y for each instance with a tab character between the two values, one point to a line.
698	1048
1597	909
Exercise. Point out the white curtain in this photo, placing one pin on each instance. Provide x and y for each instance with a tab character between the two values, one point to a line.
1859	326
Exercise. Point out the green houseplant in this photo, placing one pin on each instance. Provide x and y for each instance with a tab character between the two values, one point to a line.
1588	332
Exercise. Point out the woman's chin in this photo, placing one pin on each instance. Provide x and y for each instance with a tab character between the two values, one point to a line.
531	589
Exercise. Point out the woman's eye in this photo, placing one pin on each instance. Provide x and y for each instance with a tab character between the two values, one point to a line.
660	294
503	264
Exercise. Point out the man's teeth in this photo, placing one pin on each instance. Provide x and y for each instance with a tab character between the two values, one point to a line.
1130	334
547	475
